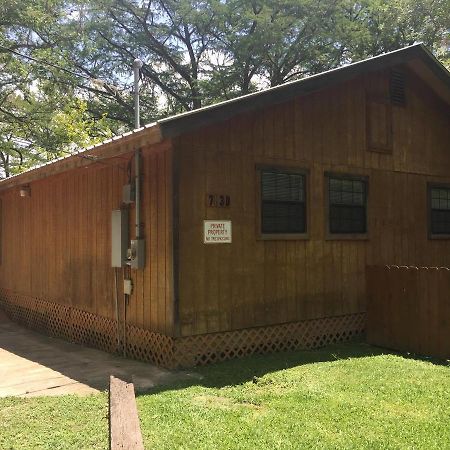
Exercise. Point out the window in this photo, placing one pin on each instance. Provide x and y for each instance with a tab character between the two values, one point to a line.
439	210
347	202
283	202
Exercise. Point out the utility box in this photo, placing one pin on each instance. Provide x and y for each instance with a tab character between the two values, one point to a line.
127	286
129	194
119	237
137	254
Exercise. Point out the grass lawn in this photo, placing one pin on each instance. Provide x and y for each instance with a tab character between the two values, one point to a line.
67	422
342	397
346	396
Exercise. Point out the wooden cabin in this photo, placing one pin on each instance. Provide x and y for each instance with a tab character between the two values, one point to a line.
258	217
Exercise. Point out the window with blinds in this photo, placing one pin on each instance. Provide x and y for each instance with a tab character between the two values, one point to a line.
347	199
283	202
440	210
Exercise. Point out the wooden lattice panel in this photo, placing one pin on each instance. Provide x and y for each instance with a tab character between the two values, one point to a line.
210	348
61	321
92	330
149	346
88	329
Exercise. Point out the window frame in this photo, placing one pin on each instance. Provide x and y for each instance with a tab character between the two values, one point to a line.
281	169
430	186
329	236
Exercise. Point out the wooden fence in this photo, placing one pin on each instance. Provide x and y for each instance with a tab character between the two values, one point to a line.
409	309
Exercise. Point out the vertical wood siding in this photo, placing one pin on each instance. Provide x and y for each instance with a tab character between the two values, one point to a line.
56	244
255	282
408	309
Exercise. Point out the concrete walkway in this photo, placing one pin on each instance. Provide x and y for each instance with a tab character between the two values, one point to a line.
32	364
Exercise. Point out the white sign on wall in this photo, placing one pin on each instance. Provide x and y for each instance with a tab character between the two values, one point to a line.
217	231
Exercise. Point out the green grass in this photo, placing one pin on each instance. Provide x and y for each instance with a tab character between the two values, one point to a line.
67	422
344	397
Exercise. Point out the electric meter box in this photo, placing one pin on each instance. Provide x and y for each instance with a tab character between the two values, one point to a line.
137	254
119	237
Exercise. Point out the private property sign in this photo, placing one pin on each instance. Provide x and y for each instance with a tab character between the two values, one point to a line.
217	231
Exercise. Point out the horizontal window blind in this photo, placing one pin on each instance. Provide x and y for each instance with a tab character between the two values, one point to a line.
283	202
440	210
347	205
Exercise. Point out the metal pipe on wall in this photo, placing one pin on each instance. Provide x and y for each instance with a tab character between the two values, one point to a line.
137	65
137	179
116	305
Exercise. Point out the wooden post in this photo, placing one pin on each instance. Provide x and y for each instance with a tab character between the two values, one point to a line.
124	428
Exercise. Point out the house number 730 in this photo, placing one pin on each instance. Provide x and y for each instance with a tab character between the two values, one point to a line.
218	201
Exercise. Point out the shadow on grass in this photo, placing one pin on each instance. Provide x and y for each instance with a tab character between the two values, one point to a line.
93	367
239	371
242	370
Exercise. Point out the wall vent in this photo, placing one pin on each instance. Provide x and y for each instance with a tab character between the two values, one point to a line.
397	88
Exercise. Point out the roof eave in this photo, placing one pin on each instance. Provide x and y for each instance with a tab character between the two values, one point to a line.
174	126
109	149
170	127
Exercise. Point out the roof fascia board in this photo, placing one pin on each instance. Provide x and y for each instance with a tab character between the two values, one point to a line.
112	148
435	65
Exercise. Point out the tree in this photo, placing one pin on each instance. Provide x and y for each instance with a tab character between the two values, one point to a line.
194	53
172	37
372	27
200	52
43	111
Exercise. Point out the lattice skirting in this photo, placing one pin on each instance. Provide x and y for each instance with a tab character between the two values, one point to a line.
308	334
88	329
92	330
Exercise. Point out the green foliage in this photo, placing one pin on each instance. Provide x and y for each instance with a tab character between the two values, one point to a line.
194	52
43	112
372	27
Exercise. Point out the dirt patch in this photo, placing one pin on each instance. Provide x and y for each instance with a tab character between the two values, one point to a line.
219	402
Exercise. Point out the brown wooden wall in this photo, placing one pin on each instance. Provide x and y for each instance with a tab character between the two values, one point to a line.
254	282
56	244
408	309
